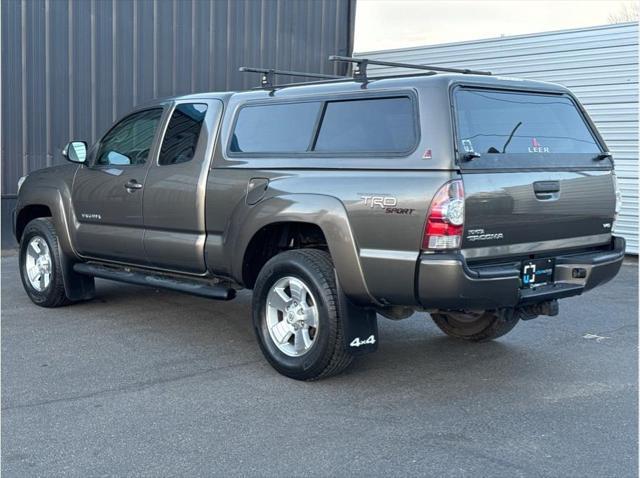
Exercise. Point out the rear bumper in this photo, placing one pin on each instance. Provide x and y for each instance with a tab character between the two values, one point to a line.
445	281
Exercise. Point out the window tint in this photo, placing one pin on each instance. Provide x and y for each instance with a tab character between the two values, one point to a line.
283	128
384	125
181	138
503	122
129	141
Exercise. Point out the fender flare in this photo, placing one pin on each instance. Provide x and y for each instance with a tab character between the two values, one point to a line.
77	287
52	198
328	213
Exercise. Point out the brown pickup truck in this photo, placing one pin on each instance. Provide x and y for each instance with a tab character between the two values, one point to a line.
481	200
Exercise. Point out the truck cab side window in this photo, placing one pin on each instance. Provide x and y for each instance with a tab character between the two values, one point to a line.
129	142
181	139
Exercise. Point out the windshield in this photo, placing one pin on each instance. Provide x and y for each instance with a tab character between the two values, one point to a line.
499	122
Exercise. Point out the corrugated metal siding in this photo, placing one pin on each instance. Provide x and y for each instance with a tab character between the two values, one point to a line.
599	64
70	68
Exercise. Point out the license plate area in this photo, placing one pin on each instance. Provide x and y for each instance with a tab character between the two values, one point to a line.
537	272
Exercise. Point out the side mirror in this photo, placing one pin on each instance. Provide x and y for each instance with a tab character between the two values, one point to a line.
75	151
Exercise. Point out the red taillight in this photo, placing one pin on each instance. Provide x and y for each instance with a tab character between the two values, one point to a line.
445	220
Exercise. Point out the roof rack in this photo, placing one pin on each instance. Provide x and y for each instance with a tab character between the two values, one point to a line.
269	74
360	72
267	81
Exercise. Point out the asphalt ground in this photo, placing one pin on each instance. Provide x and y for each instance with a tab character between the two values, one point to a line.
140	382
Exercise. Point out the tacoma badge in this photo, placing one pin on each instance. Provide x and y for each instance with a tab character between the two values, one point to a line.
480	235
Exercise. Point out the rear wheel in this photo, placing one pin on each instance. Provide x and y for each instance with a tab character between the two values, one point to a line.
477	326
296	317
40	268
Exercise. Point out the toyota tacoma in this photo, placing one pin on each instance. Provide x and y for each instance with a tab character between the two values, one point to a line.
479	199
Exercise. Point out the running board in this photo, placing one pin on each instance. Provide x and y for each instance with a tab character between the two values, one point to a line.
192	287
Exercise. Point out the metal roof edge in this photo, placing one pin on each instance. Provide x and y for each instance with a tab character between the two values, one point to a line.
506	37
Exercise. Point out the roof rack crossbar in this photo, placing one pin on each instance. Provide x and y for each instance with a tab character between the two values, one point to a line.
360	72
269	74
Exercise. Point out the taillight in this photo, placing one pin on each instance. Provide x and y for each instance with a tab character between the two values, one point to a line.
445	220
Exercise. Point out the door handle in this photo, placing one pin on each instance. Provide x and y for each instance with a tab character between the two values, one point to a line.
546	186
546	189
132	184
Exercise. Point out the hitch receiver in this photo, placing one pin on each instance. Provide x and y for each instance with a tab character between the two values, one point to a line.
549	307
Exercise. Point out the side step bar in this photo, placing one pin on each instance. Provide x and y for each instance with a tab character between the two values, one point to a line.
193	287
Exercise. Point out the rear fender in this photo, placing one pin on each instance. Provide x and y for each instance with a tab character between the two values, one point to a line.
325	211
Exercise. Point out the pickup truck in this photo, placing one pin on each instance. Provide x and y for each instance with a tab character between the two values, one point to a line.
479	199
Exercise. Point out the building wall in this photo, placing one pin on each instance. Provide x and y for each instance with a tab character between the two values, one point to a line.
70	68
599	64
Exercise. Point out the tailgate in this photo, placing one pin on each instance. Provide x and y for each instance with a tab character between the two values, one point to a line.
534	174
502	210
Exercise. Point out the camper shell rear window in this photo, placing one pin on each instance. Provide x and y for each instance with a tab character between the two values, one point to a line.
518	128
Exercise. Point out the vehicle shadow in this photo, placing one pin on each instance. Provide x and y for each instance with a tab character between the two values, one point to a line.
412	351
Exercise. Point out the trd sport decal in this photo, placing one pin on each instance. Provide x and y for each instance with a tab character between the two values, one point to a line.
379	201
388	203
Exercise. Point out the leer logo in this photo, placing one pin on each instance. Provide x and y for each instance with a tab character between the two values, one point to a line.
537	147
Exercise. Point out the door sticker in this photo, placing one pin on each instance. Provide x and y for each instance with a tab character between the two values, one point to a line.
467	145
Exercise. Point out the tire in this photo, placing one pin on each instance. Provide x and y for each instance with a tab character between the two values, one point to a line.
482	327
291	355
40	234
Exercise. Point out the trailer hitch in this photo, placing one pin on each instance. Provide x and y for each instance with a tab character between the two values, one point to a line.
549	308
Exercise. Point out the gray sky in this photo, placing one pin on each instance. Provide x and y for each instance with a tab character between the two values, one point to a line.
385	24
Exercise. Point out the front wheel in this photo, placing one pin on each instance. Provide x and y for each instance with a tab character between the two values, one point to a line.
40	268
296	316
476	326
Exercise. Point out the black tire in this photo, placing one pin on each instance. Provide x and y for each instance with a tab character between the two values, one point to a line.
328	354
486	326
53	295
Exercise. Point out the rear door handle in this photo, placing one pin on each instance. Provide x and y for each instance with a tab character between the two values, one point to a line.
546	189
132	184
546	186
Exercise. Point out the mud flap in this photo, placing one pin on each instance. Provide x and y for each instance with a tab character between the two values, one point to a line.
360	326
76	287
